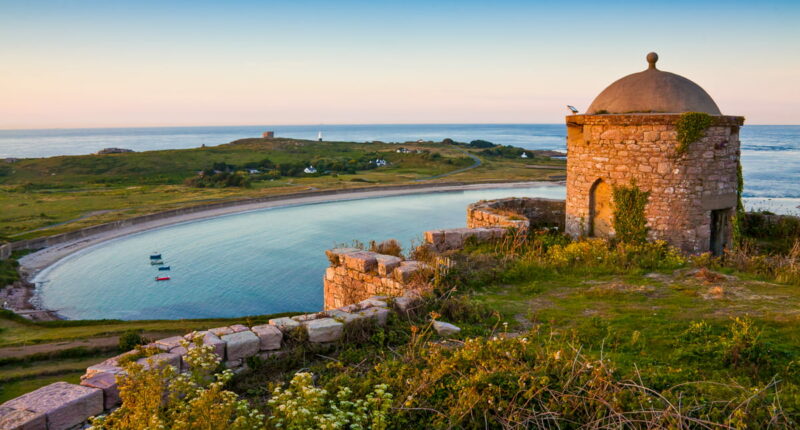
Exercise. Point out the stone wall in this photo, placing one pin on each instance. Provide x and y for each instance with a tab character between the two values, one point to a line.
5	251
684	188
61	405
516	212
355	274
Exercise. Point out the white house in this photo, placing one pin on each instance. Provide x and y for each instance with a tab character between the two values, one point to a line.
380	162
310	170
524	155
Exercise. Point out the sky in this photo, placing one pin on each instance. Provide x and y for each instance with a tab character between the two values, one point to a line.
66	64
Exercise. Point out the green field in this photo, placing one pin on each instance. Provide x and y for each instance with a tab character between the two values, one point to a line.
46	196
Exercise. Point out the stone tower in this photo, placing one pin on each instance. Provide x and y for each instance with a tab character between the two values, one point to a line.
630	133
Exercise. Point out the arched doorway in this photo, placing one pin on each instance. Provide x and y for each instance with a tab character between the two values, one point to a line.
601	210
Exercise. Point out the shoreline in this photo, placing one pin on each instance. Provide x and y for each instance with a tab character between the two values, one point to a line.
34	263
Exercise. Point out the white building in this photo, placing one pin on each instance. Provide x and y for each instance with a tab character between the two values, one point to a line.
310	170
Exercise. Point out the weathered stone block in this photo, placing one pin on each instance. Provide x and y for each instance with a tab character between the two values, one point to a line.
269	336
209	338
64	405
179	350
104	368
407	270
387	263
379	314
324	330
239	328
232	364
106	382
170	342
445	329
284	324
362	261
241	345
221	331
334	255
373	301
158	361
306	317
342	316
404	304
22	419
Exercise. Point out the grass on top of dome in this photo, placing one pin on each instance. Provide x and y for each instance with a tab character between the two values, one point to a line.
691	126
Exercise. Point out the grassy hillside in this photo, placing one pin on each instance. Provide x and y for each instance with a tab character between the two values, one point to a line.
555	333
46	196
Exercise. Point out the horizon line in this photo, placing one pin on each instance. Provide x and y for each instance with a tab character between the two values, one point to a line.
310	124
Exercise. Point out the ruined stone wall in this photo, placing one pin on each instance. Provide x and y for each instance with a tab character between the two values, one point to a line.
643	147
516	212
62	406
355	274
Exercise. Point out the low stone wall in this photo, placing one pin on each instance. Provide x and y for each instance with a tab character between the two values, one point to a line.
456	238
520	213
355	274
61	406
5	251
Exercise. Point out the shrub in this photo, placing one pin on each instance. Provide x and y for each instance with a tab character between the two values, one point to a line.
387	247
303	406
160	397
462	309
130	340
481	144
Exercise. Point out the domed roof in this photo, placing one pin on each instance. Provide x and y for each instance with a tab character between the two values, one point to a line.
653	90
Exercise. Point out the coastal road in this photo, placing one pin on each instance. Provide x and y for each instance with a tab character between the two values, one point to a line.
477	163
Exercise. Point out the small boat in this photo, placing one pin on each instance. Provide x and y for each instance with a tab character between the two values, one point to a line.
156	262
155	256
162	278
163	268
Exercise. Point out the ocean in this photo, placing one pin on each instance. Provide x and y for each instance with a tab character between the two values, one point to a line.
770	153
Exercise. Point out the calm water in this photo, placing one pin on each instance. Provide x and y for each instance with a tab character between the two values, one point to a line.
251	263
770	154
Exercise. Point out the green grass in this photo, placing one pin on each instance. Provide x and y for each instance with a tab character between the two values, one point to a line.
46	196
10	390
16	331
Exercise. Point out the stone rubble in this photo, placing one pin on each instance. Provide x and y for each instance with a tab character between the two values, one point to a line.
445	329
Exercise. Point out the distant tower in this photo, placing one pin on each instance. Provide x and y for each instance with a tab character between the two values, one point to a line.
319	136
629	133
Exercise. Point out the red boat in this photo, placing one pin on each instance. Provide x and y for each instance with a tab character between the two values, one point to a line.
162	278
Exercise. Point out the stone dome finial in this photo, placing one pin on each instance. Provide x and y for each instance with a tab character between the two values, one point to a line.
651	60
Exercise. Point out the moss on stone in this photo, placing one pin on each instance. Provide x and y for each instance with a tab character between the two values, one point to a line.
691	126
629	220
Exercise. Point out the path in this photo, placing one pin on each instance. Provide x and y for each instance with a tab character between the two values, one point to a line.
105	342
477	163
